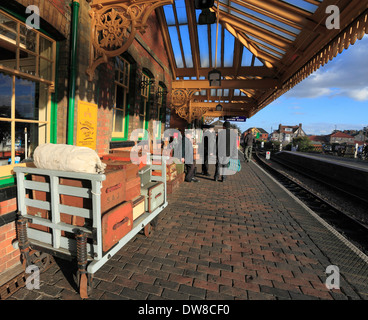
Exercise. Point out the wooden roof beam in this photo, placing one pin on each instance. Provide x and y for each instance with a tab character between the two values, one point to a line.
200	98
258	32
230	71
230	106
192	27
270	61
245	14
167	42
227	84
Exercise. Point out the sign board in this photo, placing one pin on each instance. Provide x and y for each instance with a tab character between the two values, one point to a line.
87	125
268	155
236	119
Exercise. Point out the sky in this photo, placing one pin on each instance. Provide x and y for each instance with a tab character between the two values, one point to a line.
333	97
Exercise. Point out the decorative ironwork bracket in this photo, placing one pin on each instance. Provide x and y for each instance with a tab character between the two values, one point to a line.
114	24
181	102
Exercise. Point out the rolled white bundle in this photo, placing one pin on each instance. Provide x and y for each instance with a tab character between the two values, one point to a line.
67	158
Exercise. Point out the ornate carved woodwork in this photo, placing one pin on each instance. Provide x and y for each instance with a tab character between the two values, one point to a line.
114	25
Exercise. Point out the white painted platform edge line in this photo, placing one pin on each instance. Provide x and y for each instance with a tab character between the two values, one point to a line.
350	245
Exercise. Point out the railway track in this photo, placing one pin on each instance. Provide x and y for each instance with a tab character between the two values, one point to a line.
352	229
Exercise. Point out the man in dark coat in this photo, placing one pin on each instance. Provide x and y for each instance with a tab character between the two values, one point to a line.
248	145
188	157
226	149
208	146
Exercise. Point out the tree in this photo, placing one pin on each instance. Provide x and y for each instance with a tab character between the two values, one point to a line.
304	144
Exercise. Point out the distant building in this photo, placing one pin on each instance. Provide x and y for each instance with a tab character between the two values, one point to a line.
340	137
258	133
360	136
286	134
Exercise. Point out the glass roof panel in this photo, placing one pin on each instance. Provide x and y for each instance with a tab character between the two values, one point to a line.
262	25
266	46
262	17
246	58
184	32
302	5
258	63
181	11
203	46
169	14
229	42
176	46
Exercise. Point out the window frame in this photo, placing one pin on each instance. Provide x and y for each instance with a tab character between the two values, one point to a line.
6	173
125	74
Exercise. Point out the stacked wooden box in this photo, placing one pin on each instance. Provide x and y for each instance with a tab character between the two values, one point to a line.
173	179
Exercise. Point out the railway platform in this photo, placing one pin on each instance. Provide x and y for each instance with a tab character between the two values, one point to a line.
245	239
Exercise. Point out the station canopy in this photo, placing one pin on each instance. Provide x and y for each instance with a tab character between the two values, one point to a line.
261	49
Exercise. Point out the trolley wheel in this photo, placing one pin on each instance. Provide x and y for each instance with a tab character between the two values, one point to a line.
148	230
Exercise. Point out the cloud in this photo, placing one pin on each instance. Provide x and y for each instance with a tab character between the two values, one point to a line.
345	76
322	128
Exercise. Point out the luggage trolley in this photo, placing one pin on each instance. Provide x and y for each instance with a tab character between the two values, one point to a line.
68	241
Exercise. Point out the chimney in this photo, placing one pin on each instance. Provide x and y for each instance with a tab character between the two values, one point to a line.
300	125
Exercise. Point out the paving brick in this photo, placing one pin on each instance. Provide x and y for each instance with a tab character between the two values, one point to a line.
110	287
206	285
174	295
279	293
192	291
152	289
133	294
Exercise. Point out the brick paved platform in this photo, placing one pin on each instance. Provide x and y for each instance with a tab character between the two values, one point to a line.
245	238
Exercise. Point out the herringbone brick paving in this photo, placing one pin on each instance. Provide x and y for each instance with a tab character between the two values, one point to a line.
238	239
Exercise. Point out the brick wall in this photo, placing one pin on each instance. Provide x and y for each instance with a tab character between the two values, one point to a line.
55	12
9	257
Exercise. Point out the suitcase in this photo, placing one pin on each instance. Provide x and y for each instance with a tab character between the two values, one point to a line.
138	207
173	185
154	195
134	190
116	223
132	183
180	168
131	169
125	156
171	167
145	175
181	177
171	176
113	189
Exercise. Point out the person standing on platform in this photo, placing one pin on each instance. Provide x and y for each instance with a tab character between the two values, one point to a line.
248	145
207	151
226	149
188	157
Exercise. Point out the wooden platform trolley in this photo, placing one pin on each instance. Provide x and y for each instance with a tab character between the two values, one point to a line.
49	227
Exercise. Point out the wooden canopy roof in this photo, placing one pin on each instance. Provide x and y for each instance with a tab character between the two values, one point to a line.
262	49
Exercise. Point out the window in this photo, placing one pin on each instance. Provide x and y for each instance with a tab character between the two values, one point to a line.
122	69
145	95
27	72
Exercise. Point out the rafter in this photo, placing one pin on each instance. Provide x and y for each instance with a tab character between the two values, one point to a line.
167	42
258	32
193	36
227	84
229	71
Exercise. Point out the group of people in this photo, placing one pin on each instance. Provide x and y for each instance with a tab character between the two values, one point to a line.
220	150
